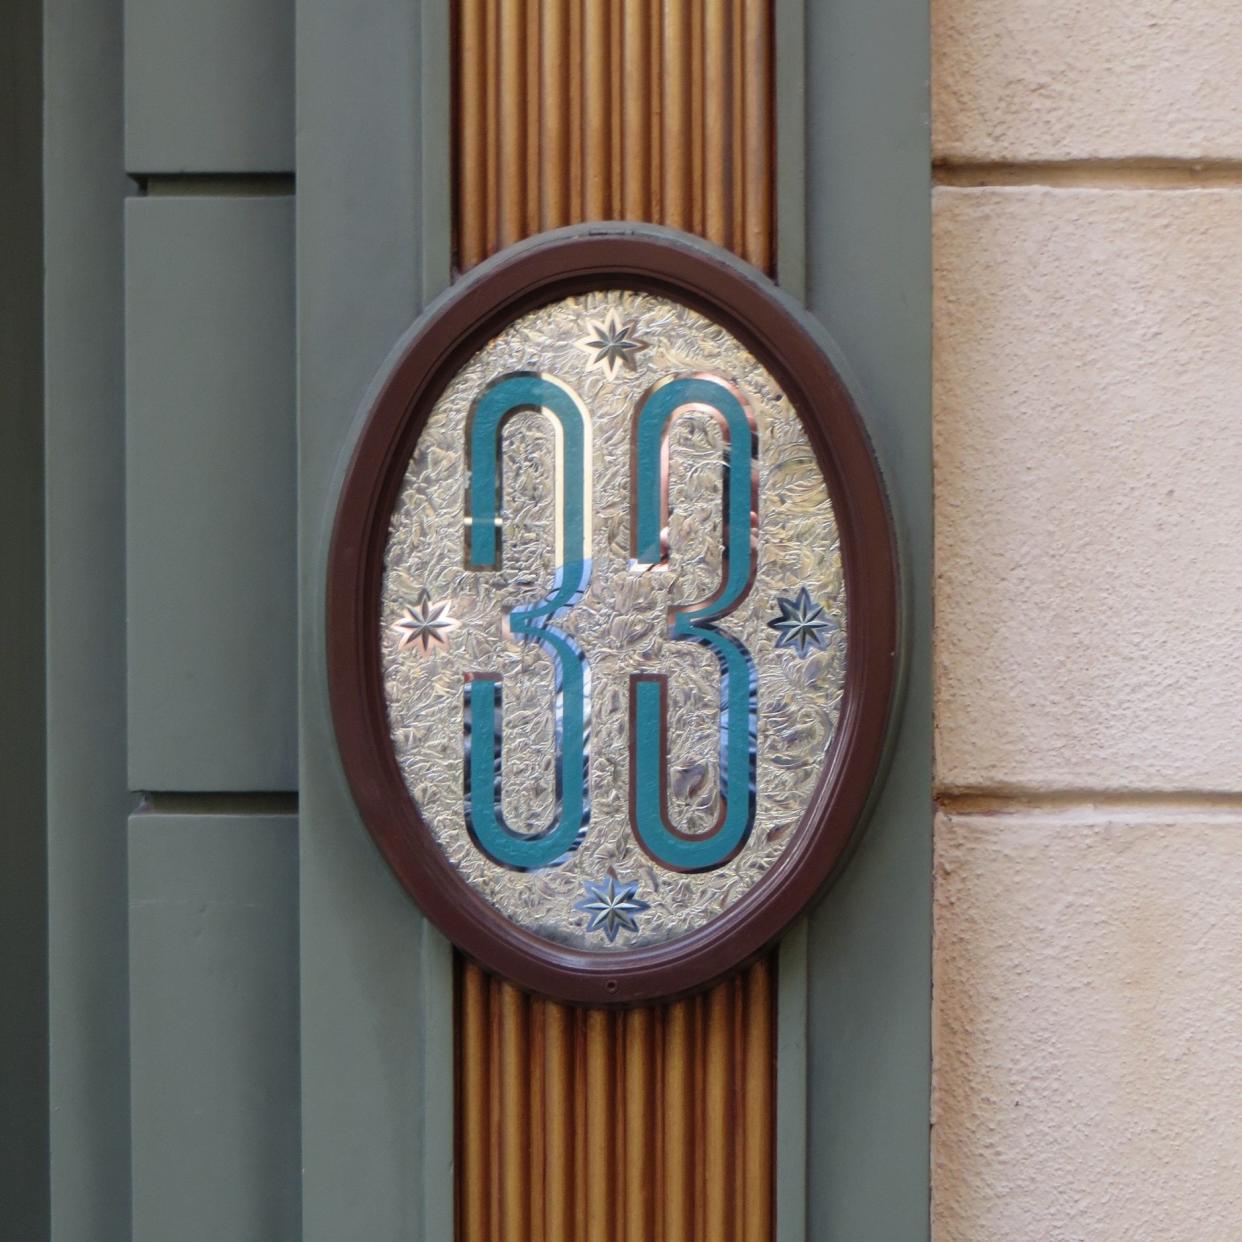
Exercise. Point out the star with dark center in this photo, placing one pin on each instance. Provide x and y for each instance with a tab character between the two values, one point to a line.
802	625
611	344
611	906
425	626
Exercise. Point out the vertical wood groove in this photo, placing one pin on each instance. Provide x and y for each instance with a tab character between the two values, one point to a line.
570	110
654	1124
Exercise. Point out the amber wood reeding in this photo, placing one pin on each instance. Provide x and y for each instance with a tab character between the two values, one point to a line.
531	108
616	102
554	166
636	111
597	1138
537	1191
597	122
473	1051
490	73
512	121
639	1128
655	1125
558	1085
495	1099
513	1034
694	58
677	127
677	89
755	184
679	1128
758	1104
655	102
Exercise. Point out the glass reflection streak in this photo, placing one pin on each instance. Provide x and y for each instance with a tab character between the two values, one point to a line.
665	843
516	393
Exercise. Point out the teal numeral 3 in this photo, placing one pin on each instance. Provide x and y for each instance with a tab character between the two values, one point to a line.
531	623
696	623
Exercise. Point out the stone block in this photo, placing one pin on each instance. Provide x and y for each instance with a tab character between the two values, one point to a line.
1088	489
1086	79
1087	1027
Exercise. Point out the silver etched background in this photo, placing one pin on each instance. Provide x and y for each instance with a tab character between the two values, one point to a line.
620	624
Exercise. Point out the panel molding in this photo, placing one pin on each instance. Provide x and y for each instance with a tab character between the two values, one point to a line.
88	799
373	248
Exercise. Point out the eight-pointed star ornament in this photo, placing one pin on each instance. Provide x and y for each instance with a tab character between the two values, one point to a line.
802	625
611	906
425	625
611	344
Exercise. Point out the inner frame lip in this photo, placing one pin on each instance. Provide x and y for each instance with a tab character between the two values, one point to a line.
661	261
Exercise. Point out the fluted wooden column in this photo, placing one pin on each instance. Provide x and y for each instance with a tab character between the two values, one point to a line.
572	110
654	1124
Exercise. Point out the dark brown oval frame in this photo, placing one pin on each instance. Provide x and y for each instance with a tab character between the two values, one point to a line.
519	279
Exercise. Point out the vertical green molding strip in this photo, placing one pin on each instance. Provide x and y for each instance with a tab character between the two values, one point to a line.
88	801
373	245
868	247
853	239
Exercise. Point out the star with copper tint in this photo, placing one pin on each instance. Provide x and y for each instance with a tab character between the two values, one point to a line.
425	625
611	344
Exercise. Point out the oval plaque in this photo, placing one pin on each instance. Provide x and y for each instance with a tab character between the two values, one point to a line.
612	614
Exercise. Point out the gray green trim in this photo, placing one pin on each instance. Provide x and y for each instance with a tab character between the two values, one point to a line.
868	200
436	262
209	87
213	934
791	1062
435	146
23	839
376	989
790	77
84	193
437	1086
210	493
791	1012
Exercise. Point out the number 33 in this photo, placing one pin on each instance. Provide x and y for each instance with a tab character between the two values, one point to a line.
533	623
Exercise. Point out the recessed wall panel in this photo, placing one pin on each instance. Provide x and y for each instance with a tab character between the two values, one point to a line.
214	1027
208	86
210	494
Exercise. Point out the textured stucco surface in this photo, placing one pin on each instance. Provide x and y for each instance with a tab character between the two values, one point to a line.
1088	1028
1084	79
1088	474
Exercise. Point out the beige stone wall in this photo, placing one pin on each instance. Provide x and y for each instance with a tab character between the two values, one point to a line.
1088	446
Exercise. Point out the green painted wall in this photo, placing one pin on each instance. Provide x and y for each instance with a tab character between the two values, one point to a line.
337	970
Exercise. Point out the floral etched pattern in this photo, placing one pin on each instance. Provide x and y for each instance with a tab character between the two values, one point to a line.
621	623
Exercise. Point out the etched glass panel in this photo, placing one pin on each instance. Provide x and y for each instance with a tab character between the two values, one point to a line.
613	622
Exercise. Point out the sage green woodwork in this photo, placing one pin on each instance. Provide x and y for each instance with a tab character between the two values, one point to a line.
208	86
23	843
869	944
210	492
213	945
859	1052
87	797
376	980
